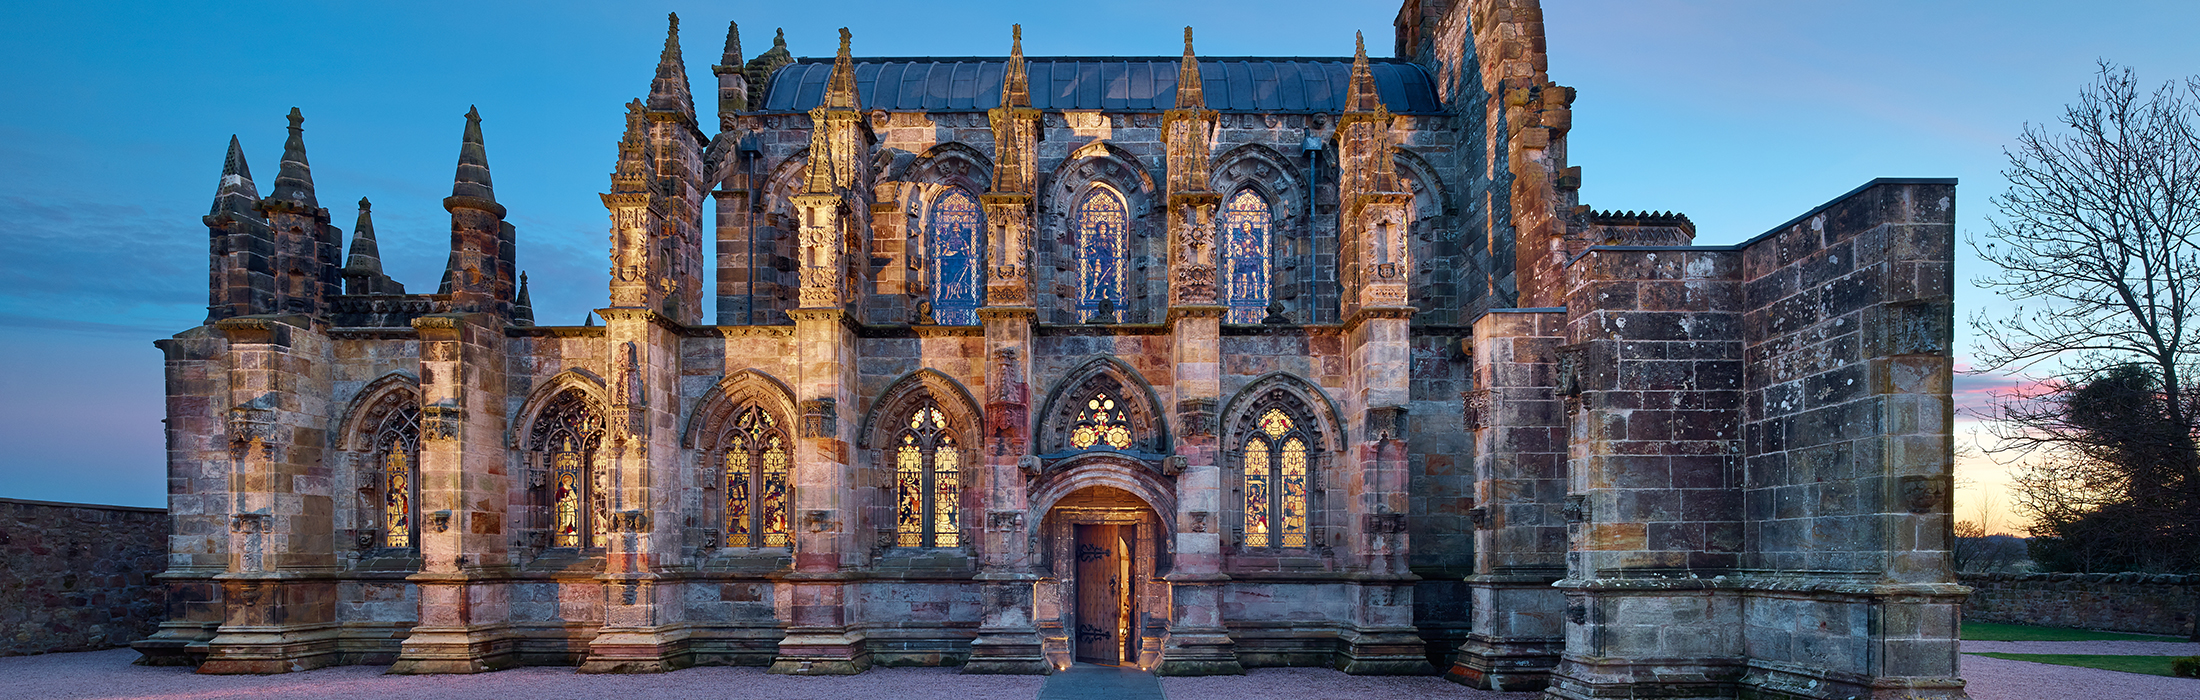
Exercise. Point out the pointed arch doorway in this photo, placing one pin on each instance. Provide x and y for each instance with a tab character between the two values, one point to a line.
1106	546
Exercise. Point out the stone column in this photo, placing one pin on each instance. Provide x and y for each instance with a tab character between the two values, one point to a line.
279	600
464	487
1008	637
818	639
1197	643
643	612
199	496
1382	639
1519	432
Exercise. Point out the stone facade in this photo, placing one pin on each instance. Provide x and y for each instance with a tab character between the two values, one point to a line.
1322	351
77	577
2147	603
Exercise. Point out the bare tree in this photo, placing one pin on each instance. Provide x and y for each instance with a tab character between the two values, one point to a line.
2098	245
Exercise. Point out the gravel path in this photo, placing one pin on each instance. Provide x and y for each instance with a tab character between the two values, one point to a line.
1322	684
108	674
1990	678
2115	648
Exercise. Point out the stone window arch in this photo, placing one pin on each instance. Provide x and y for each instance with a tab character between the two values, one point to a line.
921	438
386	441
565	444
1279	438
755	475
927	482
1102	405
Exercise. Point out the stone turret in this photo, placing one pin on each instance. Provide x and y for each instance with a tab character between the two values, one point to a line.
363	270
669	91
758	71
1188	134
1015	177
478	274
1376	213
733	82
307	250
239	245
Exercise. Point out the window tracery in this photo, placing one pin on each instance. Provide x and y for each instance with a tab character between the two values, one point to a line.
958	259
927	482
1101	423
1101	225
1276	487
396	444
757	461
1245	234
568	432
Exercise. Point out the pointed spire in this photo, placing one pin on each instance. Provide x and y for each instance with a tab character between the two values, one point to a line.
523	308
1189	94
840	90
236	194
472	179
294	180
366	257
732	56
669	92
1015	85
1360	94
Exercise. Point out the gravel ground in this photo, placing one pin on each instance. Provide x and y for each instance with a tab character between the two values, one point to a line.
1321	684
108	674
2096	647
2001	679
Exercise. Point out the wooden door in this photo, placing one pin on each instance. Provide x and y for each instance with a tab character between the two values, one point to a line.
1103	591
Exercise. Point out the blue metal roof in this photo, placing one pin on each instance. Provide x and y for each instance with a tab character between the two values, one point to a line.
1305	85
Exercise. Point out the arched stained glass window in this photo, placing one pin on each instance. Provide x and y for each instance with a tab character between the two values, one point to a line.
927	483
1101	424
1245	225
566	433
1275	489
757	461
396	444
958	259
1102	225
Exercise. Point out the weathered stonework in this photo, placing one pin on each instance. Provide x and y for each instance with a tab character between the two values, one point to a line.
2165	604
1336	373
78	577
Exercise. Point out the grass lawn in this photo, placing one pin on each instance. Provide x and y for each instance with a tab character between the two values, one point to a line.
2152	665
2002	632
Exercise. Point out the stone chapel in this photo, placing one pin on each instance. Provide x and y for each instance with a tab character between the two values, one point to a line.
1187	363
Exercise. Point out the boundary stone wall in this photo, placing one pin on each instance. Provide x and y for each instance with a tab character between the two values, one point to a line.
78	577
2130	602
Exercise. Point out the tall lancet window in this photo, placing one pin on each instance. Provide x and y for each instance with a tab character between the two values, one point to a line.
1275	488
1101	227
397	471
757	461
958	259
927	483
1244	236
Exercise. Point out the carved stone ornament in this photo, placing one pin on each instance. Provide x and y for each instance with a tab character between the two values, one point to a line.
819	521
1004	521
1200	519
1576	509
630	521
1197	416
249	523
1474	407
1386	523
820	418
441	421
1480	516
1029	465
1174	464
253	423
440	520
1195	284
1386	423
1570	359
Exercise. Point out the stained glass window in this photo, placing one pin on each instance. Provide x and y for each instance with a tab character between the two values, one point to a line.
1256	493
756	481
927	483
397	506
565	470
567	433
1245	257
1276	483
396	440
1101	424
1101	227
958	259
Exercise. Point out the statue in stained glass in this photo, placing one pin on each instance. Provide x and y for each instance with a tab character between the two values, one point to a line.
567	433
397	500
927	483
1245	229
396	440
1256	493
1101	224
756	481
958	259
1276	483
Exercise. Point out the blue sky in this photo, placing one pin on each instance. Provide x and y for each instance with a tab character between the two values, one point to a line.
1739	114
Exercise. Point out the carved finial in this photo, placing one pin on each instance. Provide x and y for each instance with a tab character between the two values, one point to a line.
779	38
1018	31
1189	94
1359	45
364	205
1015	87
297	118
1187	41
840	89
